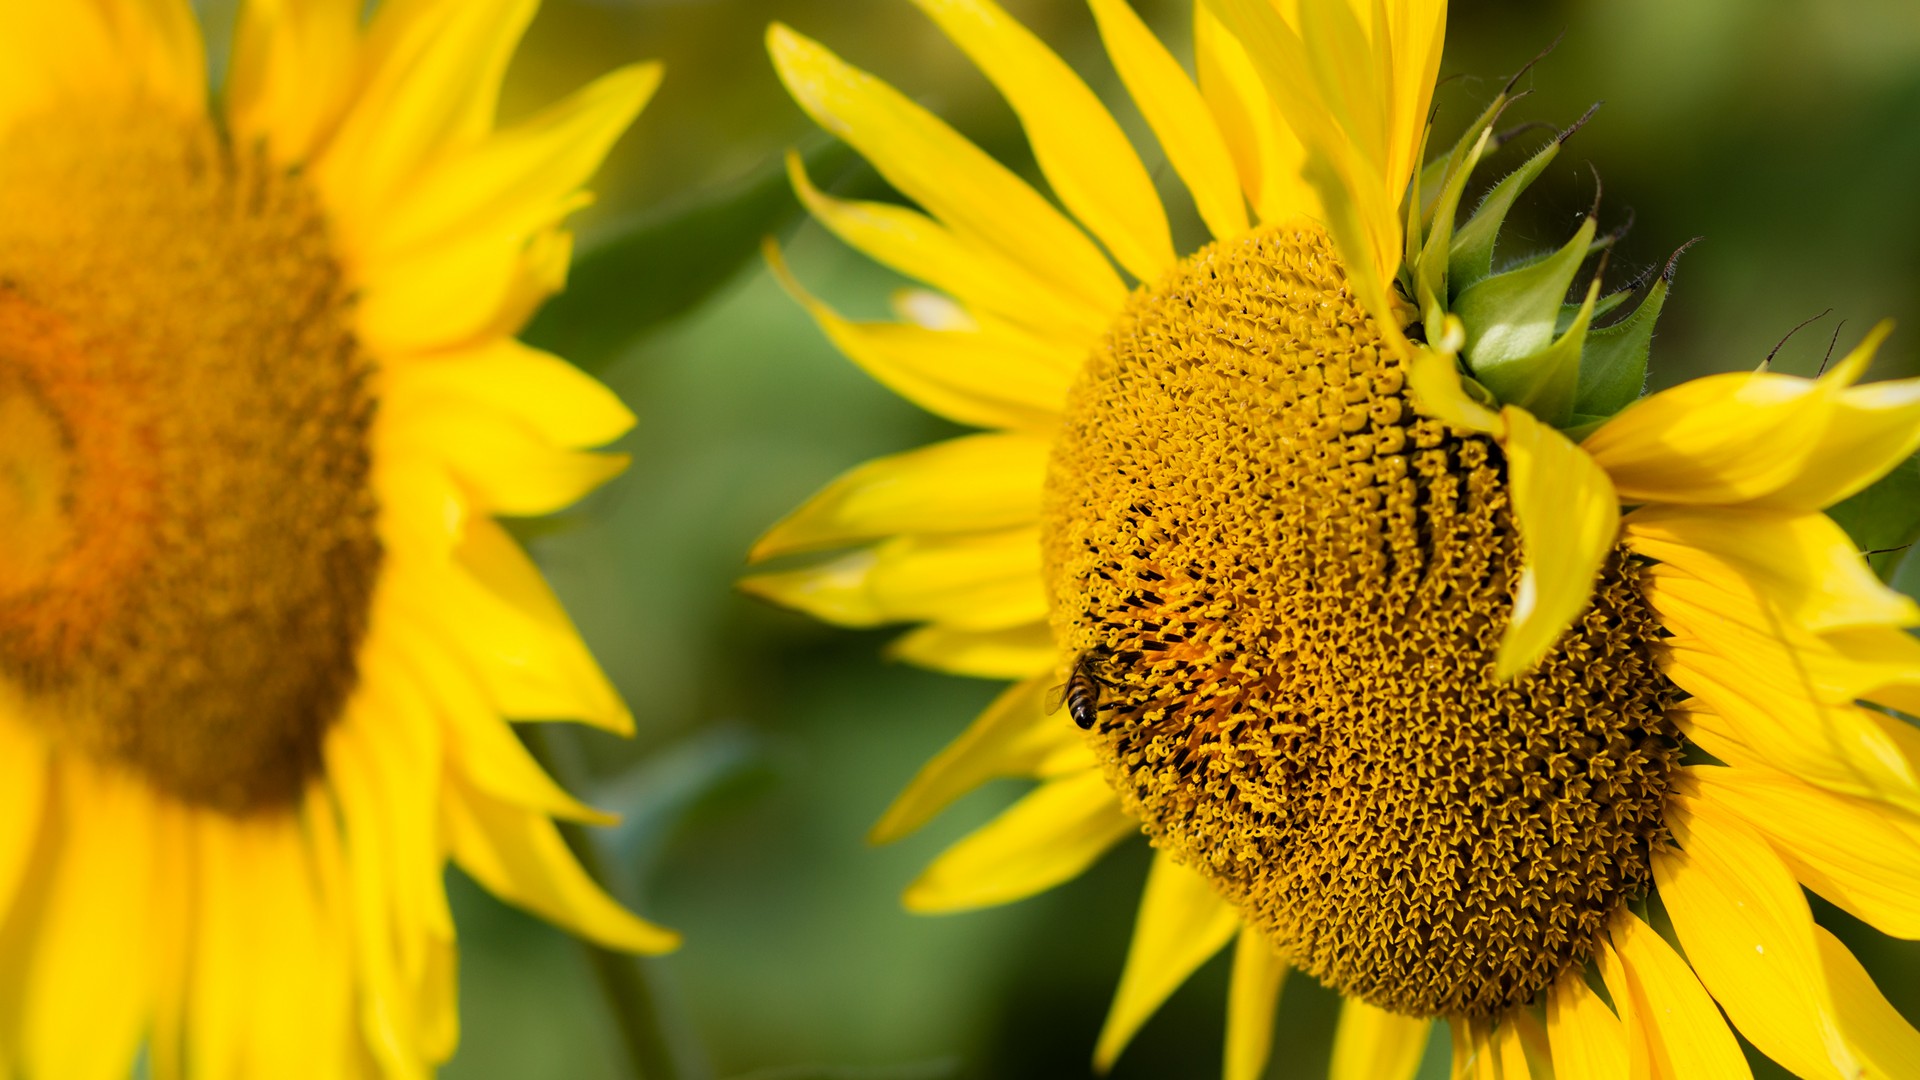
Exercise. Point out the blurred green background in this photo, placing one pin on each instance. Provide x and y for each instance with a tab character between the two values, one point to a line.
1784	132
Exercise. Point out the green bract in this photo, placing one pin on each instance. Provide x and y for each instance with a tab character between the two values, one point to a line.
1524	343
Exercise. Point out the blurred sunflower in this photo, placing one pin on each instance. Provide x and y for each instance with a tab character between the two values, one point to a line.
1321	526
259	402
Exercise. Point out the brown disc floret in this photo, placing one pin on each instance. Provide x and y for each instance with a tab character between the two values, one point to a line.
1291	586
186	458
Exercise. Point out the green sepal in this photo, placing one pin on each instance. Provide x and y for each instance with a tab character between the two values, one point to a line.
1510	318
1884	519
1613	373
1416	206
1430	269
1544	383
1434	176
1471	259
1606	305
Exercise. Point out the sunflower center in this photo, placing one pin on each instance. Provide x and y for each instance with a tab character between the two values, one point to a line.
190	546
1289	587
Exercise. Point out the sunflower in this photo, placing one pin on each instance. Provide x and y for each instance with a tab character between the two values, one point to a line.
260	402
1433	659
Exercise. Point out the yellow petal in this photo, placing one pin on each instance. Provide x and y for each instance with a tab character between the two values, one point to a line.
160	39
515	182
1182	923
450	296
979	377
388	778
505	465
1266	153
1780	718
533	666
986	581
559	402
1587	1039
50	53
293	65
1418	36
1569	519
1671	1023
519	856
1084	155
1046	838
1472	1058
1178	115
1013	737
1877	663
1847	850
1374	1044
429	84
85	980
1880	664
969	484
1017	652
1510	1049
1874	428
1751	438
1748	934
1506	1048
933	165
1803	563
271	986
1334	80
1437	391
391	881
23	798
479	742
174	897
965	267
1886	1043
1259	973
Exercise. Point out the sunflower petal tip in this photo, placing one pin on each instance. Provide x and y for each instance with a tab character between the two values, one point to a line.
921	899
657	940
886	831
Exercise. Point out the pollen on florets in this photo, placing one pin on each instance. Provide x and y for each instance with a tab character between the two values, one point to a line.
1291	587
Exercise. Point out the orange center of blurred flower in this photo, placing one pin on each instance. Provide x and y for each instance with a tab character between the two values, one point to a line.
190	548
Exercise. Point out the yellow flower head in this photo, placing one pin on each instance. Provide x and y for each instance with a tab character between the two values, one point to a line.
259	631
1390	615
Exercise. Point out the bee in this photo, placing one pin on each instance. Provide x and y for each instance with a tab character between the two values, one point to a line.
1081	692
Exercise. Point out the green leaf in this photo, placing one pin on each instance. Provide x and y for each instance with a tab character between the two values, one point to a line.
663	264
1510	317
1885	518
1471	260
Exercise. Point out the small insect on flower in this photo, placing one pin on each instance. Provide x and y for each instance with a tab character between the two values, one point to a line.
1081	691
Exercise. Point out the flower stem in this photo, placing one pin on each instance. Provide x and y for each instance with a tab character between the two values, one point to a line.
630	984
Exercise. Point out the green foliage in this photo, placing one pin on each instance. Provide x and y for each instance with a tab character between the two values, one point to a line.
664	264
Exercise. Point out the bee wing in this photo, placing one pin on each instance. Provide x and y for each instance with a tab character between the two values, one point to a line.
1055	698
